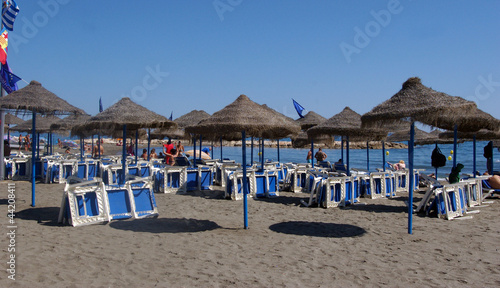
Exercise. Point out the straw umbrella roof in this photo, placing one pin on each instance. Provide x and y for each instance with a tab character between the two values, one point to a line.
68	122
12	119
34	97
191	118
419	103
302	139
404	135
42	124
470	122
288	121
311	119
124	112
245	115
346	123
482	134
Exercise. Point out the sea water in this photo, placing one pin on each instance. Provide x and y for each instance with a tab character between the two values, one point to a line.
358	157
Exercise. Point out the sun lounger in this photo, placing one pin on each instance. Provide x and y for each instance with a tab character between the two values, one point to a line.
84	203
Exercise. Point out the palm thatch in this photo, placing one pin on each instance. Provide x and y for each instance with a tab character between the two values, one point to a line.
288	121
68	122
124	112
245	115
404	135
191	118
470	122
12	119
346	123
419	103
481	135
311	119
172	133
42	124
36	98
302	140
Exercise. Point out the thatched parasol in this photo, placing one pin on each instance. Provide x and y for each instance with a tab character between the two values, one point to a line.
68	122
346	123
245	115
302	140
419	103
481	135
191	118
12	119
470	122
311	119
42	124
36	98
125	112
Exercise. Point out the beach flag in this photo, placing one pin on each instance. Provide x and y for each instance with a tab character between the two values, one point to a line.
298	108
9	13
171	114
8	79
100	105
4	42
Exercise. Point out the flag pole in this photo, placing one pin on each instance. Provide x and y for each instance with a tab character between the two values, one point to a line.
2	134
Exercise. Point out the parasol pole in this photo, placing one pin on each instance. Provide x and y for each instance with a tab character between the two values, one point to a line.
347	155
149	141
262	155
367	157
136	144
455	136
312	152
383	154
251	150
278	144
244	179
474	155
220	148
124	155
33	161
341	148
412	177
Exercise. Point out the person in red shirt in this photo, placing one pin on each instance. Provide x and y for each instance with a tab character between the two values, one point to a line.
166	150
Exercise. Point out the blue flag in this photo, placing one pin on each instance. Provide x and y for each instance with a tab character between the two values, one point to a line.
100	105
8	79
171	113
9	13
299	108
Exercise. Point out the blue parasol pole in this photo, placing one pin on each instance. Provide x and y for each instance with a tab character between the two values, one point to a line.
342	148
347	155
312	152
37	146
212	146
383	154
92	147
124	154
149	141
136	145
278	150
412	177
99	143
474	155
194	151
220	148
33	161
244	179
436	167
455	136
201	143
251	150
367	157
262	159
82	143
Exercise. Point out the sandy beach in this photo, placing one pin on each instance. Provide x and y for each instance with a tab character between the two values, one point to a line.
199	241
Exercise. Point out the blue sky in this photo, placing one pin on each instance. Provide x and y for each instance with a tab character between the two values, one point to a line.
184	55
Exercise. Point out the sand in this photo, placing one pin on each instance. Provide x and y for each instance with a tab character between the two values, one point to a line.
199	241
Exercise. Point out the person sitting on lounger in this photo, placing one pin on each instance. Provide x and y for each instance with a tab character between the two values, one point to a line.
144	154
494	181
153	155
398	166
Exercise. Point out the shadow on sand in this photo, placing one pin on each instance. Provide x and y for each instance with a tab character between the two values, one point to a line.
165	225
318	229
44	215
